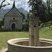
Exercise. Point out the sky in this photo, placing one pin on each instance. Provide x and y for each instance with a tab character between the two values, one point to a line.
19	3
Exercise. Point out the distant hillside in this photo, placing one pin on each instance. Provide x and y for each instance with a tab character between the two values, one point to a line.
23	11
3	12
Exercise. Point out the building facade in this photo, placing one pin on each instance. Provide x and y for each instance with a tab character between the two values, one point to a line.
13	19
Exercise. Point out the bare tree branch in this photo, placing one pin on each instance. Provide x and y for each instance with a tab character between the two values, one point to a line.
2	2
3	5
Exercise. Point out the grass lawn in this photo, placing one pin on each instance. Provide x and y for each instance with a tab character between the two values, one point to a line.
45	32
4	36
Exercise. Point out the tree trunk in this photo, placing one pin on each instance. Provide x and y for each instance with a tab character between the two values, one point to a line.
34	31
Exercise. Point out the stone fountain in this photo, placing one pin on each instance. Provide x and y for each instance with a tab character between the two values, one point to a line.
22	45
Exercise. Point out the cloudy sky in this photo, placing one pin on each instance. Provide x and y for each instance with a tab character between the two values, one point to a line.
19	3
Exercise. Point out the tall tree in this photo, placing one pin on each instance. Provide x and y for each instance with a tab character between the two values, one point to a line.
36	12
33	23
48	6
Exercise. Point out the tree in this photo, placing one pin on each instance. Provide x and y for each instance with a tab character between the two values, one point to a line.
38	11
3	5
48	6
48	13
2	22
33	23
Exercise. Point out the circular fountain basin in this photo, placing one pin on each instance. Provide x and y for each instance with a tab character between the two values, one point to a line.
22	45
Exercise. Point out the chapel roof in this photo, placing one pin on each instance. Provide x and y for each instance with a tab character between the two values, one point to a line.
14	9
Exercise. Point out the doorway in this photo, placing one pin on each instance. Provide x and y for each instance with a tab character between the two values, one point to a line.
13	26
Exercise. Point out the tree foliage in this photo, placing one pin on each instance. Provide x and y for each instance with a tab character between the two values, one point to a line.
40	10
37	7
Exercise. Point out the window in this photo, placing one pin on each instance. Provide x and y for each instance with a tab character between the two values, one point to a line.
13	18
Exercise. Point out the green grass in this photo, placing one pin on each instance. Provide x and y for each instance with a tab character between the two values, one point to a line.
45	32
4	36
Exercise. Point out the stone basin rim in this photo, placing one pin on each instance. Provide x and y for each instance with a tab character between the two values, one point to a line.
13	41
